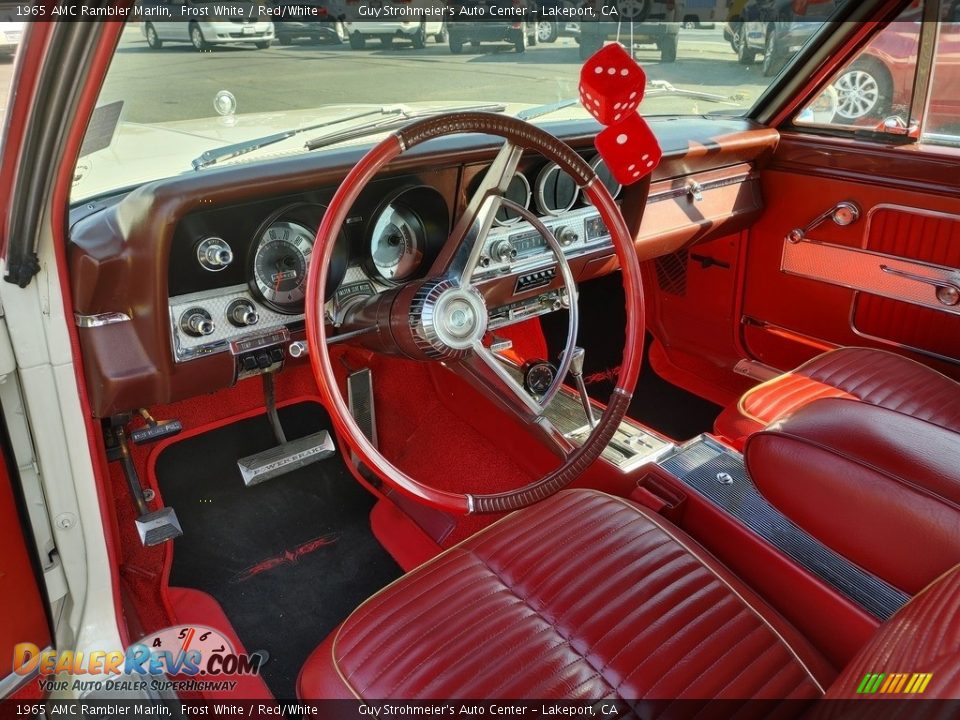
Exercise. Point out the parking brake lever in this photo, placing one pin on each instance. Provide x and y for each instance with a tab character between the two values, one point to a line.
576	371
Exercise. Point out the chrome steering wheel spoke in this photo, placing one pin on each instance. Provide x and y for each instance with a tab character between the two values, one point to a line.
470	233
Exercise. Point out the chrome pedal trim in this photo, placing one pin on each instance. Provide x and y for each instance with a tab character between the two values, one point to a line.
276	461
719	474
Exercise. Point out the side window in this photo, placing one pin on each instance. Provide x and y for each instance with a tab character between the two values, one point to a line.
942	123
875	91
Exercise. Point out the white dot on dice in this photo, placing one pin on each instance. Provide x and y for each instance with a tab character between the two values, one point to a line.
598	70
621	138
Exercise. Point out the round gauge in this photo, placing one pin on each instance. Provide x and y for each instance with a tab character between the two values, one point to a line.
519	191
280	265
538	376
397	244
605	176
556	190
189	638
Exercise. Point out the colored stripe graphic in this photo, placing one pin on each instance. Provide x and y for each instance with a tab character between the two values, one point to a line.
894	683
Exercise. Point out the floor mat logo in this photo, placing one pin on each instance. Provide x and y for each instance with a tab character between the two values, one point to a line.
287	557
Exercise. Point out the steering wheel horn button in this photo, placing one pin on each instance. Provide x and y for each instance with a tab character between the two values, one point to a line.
447	320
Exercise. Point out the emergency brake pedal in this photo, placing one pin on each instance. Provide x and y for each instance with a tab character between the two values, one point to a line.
154	429
154	527
281	459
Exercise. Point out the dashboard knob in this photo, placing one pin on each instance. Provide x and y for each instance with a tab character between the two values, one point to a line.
214	254
197	322
242	313
567	236
503	250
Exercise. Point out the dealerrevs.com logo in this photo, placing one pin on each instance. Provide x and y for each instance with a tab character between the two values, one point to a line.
185	653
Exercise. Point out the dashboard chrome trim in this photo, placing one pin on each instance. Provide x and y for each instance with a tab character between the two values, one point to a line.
99	319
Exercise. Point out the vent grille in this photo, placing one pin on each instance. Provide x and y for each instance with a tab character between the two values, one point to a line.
699	465
672	273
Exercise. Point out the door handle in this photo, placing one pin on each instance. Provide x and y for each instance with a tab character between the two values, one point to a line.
948	293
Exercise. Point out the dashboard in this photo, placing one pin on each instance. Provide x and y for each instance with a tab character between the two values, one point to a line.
186	285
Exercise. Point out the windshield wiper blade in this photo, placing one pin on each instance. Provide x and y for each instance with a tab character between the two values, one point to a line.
226	152
377	126
661	88
541	110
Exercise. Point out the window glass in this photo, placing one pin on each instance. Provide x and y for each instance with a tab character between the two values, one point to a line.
875	90
942	122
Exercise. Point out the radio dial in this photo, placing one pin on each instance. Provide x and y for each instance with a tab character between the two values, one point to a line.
242	313
567	236
197	322
504	251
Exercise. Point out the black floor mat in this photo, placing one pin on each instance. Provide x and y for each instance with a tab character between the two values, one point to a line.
288	559
658	404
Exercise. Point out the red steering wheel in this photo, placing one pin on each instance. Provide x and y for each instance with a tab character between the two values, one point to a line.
443	318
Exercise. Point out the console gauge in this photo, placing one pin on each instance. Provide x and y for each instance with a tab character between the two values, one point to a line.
538	377
519	192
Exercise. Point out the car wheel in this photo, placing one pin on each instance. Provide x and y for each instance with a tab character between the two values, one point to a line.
442	36
546	32
772	60
386	40
668	48
262	45
632	10
358	41
153	39
456	44
419	38
746	55
690	23
864	91
196	37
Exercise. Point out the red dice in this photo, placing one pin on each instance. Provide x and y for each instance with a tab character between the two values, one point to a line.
611	84
629	149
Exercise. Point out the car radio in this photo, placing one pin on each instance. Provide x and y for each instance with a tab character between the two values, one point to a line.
522	249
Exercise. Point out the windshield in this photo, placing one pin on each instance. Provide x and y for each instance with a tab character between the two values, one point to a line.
179	91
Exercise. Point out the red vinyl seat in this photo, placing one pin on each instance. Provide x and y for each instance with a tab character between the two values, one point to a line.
876	377
587	596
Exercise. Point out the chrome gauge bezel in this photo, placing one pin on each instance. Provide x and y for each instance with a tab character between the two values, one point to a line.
509	222
289	302
412	232
595	162
542	178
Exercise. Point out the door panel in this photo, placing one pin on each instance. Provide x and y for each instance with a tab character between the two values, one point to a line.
909	213
23	617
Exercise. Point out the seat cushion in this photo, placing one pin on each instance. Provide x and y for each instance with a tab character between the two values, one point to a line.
916	653
581	596
872	376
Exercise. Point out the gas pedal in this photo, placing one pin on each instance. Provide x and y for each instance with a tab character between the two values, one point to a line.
360	397
284	458
158	526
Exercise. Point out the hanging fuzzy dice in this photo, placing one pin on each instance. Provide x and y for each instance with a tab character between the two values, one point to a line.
611	88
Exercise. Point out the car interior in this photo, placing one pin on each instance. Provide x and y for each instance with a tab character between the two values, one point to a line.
453	412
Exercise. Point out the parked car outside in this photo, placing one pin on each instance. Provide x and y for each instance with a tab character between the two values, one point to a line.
316	20
703	14
229	23
776	29
519	33
648	21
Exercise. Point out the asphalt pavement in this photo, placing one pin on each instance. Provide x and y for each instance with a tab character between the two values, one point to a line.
177	82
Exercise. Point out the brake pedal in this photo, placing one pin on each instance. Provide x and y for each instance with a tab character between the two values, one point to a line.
276	461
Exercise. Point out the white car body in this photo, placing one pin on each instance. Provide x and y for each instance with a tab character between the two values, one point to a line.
10	34
214	33
400	29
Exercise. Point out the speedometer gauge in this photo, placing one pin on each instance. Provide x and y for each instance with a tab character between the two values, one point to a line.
397	243
280	265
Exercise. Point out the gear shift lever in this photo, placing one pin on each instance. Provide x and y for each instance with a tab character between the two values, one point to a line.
576	370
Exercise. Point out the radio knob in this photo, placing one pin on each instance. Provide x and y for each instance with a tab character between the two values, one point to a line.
197	322
567	236
242	313
503	250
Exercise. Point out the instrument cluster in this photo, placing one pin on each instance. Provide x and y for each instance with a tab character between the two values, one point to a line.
229	288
